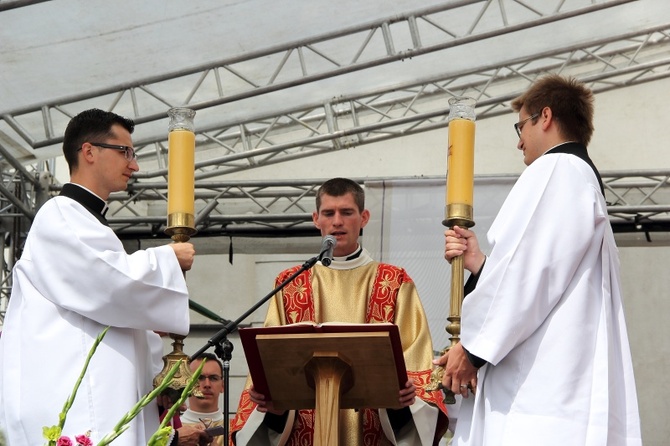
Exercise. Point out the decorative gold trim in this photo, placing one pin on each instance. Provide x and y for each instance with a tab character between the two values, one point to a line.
458	214
180	226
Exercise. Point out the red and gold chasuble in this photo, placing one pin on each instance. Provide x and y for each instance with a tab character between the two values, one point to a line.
318	297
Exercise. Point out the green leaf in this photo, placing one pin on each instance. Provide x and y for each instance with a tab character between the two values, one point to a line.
123	423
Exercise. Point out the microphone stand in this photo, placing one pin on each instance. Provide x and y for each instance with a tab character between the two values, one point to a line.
224	348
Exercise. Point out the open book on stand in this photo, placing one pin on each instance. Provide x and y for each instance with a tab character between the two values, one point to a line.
277	357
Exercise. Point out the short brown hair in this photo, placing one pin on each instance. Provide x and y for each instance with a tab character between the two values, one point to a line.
336	187
87	126
570	101
208	357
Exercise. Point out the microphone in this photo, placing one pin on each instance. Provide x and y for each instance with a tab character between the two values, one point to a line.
327	245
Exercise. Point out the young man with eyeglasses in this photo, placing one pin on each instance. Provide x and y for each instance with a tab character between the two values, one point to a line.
543	344
204	411
74	278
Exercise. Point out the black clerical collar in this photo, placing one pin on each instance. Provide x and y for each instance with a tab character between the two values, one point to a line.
94	204
356	254
353	256
579	150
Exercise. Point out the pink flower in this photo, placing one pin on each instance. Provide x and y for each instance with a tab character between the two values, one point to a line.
64	441
83	440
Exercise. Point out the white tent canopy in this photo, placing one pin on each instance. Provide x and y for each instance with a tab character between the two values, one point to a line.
290	92
273	83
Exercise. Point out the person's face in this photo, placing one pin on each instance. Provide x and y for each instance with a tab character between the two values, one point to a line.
210	383
530	133
113	170
341	218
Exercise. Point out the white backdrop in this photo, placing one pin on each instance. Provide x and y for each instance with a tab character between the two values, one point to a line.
406	230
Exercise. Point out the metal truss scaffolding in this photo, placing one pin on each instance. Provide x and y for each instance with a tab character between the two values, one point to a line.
235	142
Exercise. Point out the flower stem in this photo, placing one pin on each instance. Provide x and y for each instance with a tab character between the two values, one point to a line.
124	422
159	434
53	433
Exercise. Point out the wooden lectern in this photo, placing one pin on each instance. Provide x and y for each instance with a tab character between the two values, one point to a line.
326	367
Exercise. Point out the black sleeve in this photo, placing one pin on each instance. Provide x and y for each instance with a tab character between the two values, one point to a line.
276	422
471	283
399	417
469	287
175	439
476	361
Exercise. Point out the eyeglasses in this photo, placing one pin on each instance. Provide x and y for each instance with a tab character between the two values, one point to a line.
211	378
519	125
128	151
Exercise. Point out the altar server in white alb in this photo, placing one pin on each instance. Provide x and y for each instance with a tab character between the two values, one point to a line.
74	279
543	346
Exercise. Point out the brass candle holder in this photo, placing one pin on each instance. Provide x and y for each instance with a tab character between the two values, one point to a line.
458	212
180	225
